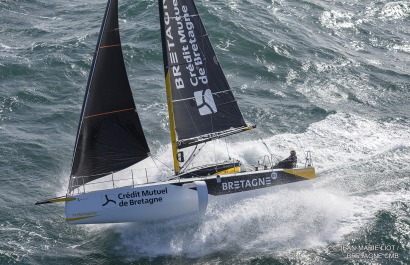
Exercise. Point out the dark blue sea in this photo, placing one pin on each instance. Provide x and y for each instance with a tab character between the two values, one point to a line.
332	77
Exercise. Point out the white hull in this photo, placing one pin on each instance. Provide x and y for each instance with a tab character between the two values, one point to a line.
164	200
137	204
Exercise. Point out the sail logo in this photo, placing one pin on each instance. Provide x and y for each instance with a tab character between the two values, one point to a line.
108	201
185	55
133	198
205	102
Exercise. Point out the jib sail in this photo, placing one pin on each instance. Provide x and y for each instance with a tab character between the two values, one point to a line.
110	137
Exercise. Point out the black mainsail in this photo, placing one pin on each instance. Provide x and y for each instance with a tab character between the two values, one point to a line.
200	102
110	137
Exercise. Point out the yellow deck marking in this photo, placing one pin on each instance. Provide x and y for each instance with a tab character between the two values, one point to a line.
228	171
63	200
307	173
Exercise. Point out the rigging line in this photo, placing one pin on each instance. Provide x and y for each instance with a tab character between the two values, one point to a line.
267	148
153	157
193	156
156	165
300	143
213	142
270	152
227	150
188	160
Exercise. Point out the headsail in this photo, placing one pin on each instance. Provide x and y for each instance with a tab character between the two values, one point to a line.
110	137
203	106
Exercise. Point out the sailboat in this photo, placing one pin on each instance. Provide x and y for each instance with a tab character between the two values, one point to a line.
202	108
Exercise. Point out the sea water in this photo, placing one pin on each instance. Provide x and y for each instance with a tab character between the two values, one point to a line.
330	77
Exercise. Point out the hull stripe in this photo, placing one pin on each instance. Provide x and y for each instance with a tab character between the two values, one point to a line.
78	218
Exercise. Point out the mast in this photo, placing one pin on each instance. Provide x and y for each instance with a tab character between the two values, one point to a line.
168	90
172	126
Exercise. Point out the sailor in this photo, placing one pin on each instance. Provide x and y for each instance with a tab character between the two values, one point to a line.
293	158
289	162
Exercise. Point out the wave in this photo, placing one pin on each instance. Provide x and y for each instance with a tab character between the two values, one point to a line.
343	199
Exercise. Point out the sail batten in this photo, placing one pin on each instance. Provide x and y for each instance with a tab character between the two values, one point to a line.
212	136
202	101
110	46
110	136
215	93
110	112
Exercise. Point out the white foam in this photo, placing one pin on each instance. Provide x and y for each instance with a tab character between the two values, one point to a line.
403	48
335	19
323	211
271	223
5	47
396	10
